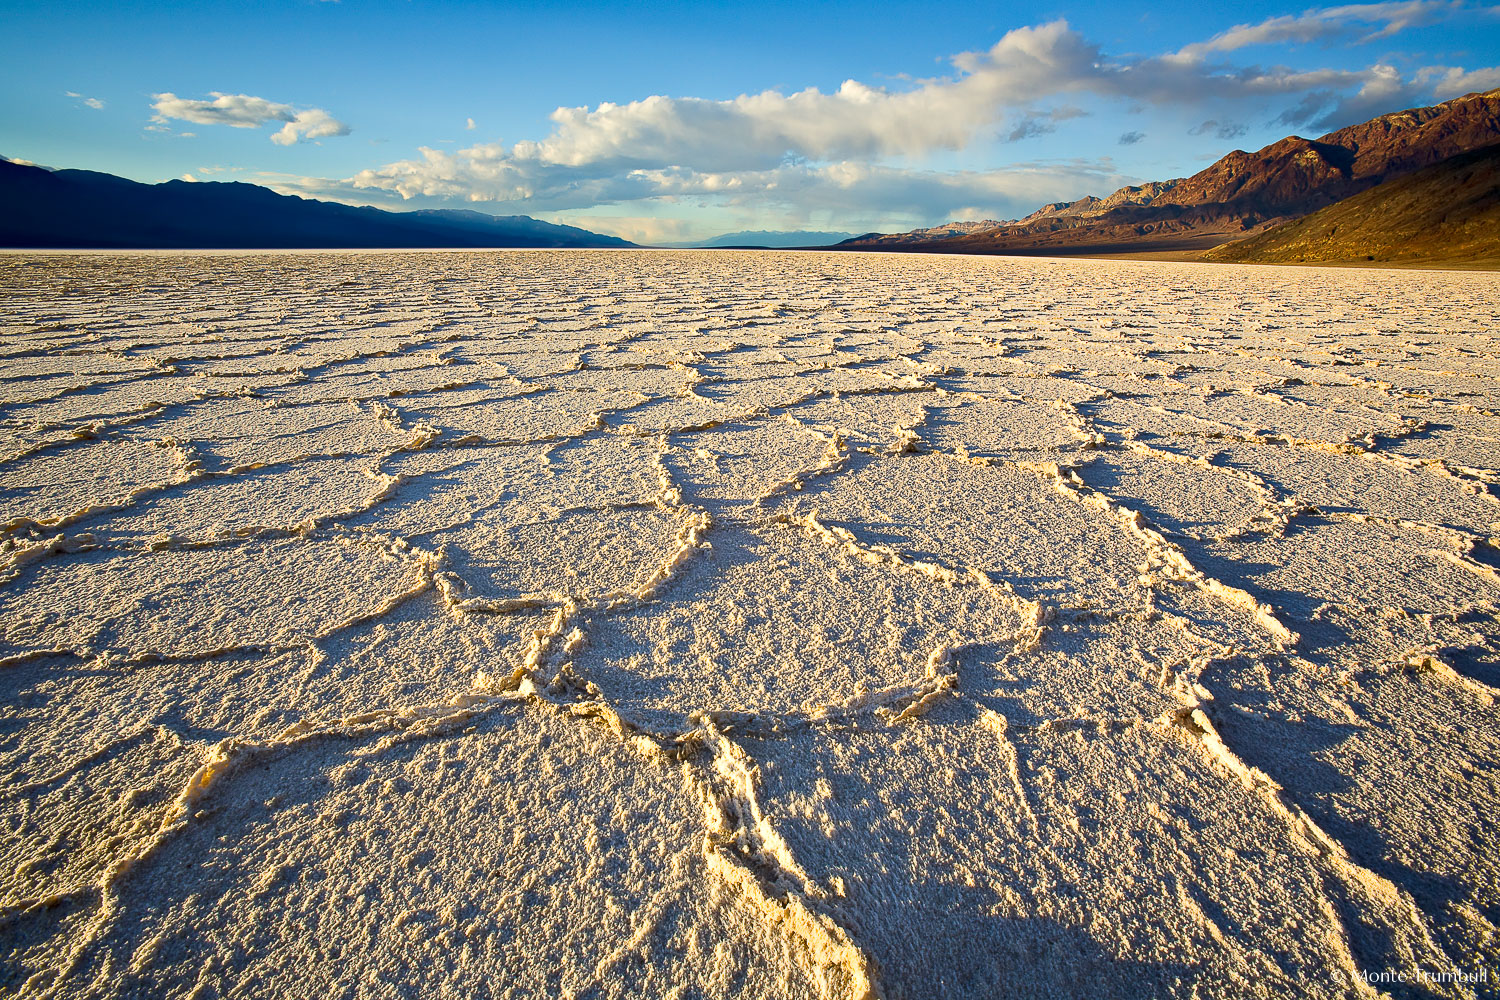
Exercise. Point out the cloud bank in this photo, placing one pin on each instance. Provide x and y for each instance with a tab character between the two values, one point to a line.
862	146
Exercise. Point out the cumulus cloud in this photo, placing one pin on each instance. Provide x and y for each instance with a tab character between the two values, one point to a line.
1385	89
856	123
311	124
88	102
795	149
244	111
469	124
1456	80
234	110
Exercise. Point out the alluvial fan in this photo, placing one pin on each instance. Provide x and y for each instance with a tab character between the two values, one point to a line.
759	625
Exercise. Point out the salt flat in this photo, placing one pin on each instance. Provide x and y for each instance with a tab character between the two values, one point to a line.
600	624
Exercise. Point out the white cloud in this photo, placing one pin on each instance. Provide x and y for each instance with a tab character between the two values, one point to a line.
88	102
1456	81
469	124
244	111
234	110
313	124
1383	90
837	152
1323	23
856	123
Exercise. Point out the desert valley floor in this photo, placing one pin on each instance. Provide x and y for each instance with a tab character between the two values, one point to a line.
597	624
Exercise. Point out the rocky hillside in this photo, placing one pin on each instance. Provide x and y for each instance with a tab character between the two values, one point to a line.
1447	212
1240	194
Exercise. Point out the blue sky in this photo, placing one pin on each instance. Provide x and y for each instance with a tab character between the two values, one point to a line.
674	121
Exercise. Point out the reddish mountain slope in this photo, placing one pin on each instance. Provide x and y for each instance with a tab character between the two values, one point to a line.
1447	212
1241	193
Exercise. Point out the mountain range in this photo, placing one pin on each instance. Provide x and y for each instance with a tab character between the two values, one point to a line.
1411	186
1239	196
43	208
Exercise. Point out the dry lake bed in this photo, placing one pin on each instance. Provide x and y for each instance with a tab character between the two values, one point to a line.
645	624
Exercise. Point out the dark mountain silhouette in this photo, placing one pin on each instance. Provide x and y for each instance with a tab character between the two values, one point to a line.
1240	194
1447	212
82	208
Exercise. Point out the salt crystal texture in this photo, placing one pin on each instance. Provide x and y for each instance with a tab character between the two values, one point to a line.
744	624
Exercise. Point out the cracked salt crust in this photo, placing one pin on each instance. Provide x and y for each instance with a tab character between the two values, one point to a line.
682	624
